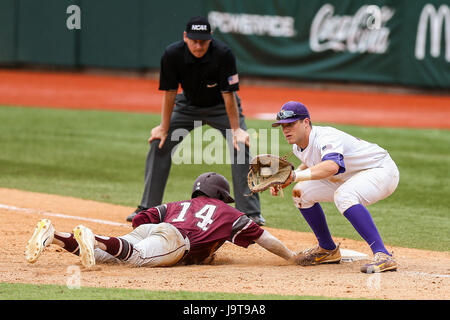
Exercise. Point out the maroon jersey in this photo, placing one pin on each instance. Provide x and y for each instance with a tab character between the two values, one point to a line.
207	222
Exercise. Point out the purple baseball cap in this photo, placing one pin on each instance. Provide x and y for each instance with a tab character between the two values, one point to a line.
291	111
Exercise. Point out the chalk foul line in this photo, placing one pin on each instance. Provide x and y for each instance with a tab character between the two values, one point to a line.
62	215
112	223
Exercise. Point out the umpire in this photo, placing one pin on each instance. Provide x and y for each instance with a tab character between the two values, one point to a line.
206	70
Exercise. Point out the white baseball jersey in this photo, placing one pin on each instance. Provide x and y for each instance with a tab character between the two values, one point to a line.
366	175
357	154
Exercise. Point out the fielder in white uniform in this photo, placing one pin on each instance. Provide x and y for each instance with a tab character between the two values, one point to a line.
337	167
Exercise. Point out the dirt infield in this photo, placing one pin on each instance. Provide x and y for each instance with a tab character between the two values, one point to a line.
422	274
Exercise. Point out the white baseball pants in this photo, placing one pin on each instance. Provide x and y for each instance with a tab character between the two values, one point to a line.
154	245
364	187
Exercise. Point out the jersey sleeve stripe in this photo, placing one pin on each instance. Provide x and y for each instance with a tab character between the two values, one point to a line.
337	158
162	210
239	225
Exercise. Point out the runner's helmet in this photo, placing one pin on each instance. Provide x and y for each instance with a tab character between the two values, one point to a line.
213	185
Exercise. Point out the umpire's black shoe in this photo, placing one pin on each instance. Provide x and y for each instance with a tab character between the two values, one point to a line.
139	209
257	218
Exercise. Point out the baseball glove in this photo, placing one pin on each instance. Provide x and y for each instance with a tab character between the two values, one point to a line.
267	170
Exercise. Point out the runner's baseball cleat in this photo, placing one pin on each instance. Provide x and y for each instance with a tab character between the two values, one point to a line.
41	238
86	241
381	262
318	255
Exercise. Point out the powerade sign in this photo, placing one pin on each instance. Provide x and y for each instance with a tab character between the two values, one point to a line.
384	41
365	31
252	24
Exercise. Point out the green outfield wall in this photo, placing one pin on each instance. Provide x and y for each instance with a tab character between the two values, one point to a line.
8	31
398	42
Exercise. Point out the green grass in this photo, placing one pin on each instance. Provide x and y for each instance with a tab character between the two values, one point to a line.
18	291
101	155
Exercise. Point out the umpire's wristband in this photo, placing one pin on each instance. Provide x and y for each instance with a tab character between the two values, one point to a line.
302	175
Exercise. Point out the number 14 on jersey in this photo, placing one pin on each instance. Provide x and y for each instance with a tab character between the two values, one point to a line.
204	215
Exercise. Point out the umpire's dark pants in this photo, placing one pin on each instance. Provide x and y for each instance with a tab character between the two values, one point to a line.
159	161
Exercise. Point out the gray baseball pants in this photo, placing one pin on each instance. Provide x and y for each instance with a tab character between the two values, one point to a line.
159	161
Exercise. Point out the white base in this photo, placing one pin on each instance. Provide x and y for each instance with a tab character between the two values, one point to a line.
352	256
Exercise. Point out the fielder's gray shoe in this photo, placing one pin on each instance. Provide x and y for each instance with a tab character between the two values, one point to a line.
86	242
318	255
42	237
381	262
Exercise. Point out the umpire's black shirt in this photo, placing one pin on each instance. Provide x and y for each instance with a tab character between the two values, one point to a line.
202	79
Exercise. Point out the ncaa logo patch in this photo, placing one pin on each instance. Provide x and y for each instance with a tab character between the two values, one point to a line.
199	27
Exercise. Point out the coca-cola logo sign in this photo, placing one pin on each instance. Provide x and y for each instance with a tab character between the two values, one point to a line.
365	31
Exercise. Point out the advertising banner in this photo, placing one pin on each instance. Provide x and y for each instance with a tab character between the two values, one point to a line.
391	41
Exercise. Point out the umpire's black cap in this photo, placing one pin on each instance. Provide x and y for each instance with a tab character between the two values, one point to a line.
213	185
198	28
